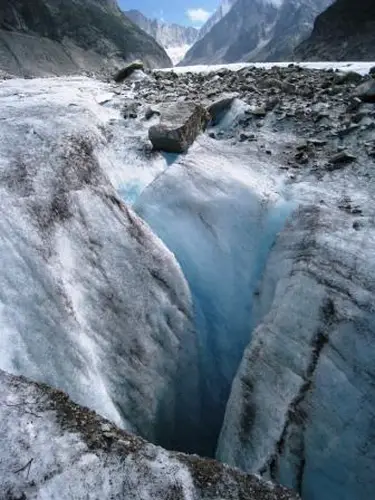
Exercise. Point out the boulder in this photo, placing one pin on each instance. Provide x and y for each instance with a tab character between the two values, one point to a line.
221	106
179	126
347	77
366	91
124	73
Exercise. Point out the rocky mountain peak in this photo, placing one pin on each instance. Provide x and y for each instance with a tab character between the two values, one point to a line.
255	30
74	36
345	31
176	39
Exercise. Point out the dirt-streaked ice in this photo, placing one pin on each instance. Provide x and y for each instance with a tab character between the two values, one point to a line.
91	300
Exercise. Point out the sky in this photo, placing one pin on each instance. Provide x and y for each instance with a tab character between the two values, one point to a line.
187	12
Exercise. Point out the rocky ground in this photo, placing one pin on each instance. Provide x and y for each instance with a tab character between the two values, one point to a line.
321	107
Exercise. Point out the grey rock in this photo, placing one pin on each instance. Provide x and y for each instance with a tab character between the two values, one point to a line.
341	157
125	72
348	77
366	91
179	127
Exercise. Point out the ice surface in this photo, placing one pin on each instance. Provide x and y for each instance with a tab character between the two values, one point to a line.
91	301
301	405
54	450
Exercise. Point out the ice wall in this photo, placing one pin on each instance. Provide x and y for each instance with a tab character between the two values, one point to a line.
301	405
91	301
220	220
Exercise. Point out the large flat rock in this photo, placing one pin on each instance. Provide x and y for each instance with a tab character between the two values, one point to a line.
180	124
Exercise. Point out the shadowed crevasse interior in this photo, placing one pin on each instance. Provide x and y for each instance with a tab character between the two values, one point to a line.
222	242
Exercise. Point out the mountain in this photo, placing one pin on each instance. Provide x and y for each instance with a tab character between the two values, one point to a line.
220	12
257	30
54	37
345	31
176	39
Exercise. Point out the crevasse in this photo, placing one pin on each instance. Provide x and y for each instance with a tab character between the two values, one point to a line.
220	228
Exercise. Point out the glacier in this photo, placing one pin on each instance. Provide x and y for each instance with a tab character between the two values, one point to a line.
91	300
213	302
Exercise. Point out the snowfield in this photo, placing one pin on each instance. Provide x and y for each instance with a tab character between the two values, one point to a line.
176	54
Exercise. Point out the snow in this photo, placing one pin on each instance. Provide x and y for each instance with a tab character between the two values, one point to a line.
91	300
360	67
176	54
54	450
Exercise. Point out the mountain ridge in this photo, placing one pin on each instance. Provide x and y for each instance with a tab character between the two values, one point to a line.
171	36
256	30
342	32
69	38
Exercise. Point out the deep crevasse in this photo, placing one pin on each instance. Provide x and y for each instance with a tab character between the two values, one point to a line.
220	220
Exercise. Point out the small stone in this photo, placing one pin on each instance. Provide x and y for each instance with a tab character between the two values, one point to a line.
130	109
258	111
109	435
341	157
301	157
317	142
354	105
272	103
